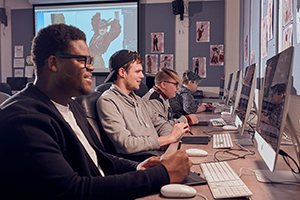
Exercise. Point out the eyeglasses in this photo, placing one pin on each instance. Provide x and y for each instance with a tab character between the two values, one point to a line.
88	60
176	84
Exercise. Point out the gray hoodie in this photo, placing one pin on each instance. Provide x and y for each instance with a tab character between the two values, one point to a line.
129	122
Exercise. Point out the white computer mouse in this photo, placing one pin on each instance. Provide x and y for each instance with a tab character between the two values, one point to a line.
229	128
196	152
178	190
225	113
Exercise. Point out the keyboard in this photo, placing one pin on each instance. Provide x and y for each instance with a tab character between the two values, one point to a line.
218	122
222	140
223	182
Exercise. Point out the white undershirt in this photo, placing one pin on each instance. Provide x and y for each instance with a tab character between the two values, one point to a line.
69	117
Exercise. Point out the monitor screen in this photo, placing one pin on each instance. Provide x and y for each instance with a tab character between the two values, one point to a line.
273	105
222	85
245	101
109	27
237	85
229	89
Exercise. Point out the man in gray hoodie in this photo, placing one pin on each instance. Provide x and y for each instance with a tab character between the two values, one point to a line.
129	122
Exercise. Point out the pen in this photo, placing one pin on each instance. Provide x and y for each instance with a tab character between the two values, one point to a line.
179	145
191	133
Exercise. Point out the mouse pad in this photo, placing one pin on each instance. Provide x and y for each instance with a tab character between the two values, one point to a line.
193	179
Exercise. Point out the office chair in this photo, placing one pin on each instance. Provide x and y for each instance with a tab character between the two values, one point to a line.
3	97
88	103
140	92
5	87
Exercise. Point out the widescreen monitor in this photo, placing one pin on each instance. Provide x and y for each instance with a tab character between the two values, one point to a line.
109	27
245	101
274	106
235	95
222	86
228	89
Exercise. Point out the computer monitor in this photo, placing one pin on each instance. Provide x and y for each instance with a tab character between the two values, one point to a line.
274	114
16	83
235	95
245	101
222	85
228	90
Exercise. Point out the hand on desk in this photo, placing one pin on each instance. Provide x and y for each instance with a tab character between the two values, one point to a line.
194	119
178	165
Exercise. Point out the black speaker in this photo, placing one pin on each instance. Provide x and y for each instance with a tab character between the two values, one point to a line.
178	8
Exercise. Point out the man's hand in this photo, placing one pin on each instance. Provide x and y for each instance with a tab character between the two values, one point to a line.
178	130
150	162
178	165
194	119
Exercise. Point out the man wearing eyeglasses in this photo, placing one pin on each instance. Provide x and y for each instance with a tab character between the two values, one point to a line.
166	85
129	122
48	150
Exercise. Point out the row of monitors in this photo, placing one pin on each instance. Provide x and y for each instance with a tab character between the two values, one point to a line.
273	101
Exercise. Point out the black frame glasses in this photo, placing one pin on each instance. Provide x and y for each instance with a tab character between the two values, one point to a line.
89	60
176	84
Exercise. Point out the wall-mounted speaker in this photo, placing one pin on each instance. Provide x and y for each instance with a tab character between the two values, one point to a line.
178	8
3	17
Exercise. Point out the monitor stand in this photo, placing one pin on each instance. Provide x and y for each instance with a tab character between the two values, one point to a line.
282	176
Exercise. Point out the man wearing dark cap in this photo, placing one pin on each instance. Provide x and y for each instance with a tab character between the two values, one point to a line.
129	122
48	149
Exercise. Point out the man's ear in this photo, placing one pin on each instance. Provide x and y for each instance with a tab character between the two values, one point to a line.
121	72
51	63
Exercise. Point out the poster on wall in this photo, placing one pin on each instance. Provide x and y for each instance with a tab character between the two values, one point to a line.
166	60
252	57
151	61
246	48
157	42
270	20
287	37
287	11
19	51
202	31
216	54
264	38
18	73
199	66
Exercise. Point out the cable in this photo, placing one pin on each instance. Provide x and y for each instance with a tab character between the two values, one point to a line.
286	158
235	155
201	195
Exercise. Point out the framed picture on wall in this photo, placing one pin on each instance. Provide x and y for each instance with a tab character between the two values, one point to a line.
199	66
166	60
202	31
151	63
157	42
216	55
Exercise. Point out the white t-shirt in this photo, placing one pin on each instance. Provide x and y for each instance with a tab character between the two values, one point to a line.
69	117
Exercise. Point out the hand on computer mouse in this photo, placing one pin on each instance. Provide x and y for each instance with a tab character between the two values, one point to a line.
178	165
194	119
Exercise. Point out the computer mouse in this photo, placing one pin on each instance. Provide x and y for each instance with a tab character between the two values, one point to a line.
225	113
229	128
196	152
178	190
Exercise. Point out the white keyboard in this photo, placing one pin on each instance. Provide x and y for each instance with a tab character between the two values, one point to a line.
222	140
223	181
218	122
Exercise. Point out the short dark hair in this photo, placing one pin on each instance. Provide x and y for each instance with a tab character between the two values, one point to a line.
52	40
279	88
190	76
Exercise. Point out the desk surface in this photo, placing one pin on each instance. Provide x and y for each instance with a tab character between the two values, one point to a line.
261	191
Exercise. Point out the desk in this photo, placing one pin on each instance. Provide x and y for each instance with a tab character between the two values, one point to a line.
261	191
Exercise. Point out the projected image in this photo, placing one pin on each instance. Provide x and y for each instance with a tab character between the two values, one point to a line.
109	27
105	31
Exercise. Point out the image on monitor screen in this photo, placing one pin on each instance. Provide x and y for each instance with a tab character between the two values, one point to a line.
245	101
236	89
109	27
274	105
222	86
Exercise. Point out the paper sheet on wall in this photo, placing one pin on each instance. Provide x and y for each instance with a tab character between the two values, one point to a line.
29	71
19	62
19	51
18	73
